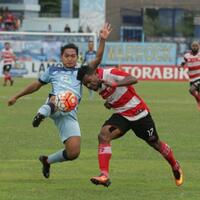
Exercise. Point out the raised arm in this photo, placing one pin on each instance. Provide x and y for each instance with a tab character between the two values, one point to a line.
127	80
104	33
27	90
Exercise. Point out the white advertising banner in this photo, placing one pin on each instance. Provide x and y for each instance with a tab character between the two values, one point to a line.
35	51
32	69
156	72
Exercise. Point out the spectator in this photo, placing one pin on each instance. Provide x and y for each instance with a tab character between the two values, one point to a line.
1	14
1	20
67	29
8	22
80	30
49	28
88	29
17	23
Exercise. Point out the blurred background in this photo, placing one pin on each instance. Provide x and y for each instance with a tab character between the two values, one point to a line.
148	40
149	37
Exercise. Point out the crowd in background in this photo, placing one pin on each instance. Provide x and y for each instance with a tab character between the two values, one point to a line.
67	29
8	21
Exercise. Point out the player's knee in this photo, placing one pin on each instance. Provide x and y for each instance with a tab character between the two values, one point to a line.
104	137
72	154
153	142
192	90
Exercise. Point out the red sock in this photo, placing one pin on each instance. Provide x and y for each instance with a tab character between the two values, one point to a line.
167	153
7	78
104	155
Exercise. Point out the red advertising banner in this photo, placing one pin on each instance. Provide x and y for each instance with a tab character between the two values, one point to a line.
156	72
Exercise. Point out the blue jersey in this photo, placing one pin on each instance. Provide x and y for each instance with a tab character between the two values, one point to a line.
89	56
62	79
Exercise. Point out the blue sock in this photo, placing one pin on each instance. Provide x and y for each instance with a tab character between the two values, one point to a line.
45	110
57	157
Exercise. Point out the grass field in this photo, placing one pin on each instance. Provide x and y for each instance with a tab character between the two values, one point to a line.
137	171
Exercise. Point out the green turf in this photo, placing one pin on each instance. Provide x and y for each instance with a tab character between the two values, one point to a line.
137	171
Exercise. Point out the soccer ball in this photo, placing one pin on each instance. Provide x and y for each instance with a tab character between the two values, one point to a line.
66	101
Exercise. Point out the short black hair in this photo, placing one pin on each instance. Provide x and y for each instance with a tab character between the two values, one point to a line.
69	46
83	70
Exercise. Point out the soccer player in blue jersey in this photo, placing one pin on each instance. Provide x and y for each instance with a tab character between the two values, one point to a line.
62	79
89	56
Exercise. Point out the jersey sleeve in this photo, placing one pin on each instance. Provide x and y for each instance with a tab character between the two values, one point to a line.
117	74
45	77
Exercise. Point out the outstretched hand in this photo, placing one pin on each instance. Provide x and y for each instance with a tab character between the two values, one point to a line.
12	101
105	31
179	67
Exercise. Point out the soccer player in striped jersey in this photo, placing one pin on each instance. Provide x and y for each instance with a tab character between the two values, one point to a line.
130	113
8	57
192	61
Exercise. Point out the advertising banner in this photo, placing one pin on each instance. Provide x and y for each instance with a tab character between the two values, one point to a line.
155	72
140	53
145	61
38	50
33	69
